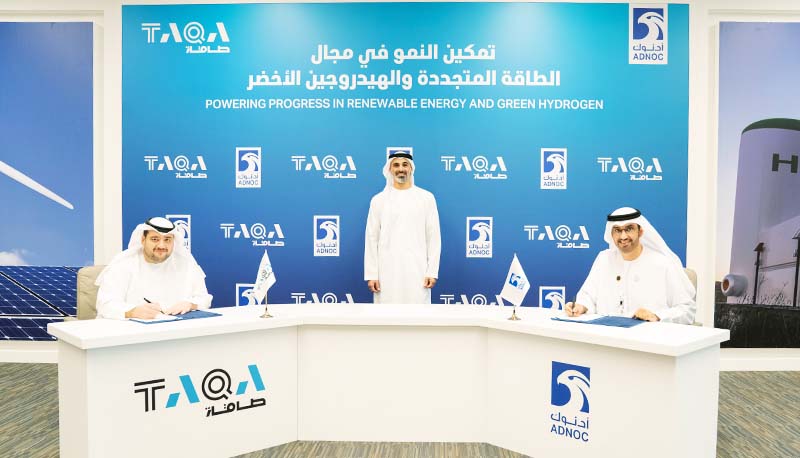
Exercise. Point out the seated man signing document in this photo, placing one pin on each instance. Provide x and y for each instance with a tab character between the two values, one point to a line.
637	276
155	274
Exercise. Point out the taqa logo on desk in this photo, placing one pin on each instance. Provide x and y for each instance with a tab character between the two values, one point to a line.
479	236
219	398
183	166
481	167
569	399
257	233
324	298
552	297
647	29
195	37
326	235
563	235
554	168
637	168
184	225
333	167
466	299
248	167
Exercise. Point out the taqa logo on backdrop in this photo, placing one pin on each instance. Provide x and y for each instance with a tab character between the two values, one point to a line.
647	29
569	399
480	167
216	387
554	168
257	233
334	167
324	298
563	235
248	167
479	236
244	294
638	168
326	235
181	165
192	35
552	297
184	225
466	299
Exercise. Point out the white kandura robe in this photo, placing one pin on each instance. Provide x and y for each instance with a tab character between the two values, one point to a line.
402	245
651	281
128	280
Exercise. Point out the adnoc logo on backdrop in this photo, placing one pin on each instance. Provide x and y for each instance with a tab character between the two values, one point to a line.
648	34
184	225
554	168
244	294
248	167
569	399
326	235
479	236
195	37
551	297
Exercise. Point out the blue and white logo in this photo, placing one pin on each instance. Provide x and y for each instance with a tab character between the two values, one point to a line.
244	294
248	167
648	34
322	298
563	235
552	297
570	387
637	168
195	37
332	166
257	233
481	167
554	168
466	299
569	398
184	225
182	166
479	236
326	235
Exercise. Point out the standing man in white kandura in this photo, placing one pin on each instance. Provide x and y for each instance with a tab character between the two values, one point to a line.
403	242
637	276
155	274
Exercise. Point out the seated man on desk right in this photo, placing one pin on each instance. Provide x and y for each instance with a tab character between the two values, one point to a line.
637	276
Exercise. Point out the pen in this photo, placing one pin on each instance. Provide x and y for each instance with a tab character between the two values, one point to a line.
147	300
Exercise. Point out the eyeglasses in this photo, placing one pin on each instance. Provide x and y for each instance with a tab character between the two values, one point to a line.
628	230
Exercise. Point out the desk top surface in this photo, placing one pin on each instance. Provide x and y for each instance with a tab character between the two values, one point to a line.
658	338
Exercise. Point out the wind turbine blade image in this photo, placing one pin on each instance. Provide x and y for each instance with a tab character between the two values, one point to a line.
31	183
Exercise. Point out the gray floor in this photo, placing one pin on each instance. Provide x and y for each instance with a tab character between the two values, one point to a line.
759	417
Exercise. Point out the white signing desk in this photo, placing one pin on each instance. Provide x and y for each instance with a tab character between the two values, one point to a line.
350	372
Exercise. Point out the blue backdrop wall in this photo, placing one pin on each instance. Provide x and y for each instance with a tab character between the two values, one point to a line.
252	125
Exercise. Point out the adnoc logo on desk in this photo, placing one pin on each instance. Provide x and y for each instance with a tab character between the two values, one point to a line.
569	399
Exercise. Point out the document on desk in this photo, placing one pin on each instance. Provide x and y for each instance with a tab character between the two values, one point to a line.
616	321
162	318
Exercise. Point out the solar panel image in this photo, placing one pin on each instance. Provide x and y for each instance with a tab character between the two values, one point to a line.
26	328
55	285
16	301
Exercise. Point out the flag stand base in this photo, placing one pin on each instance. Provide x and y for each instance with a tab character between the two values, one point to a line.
514	316
266	313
